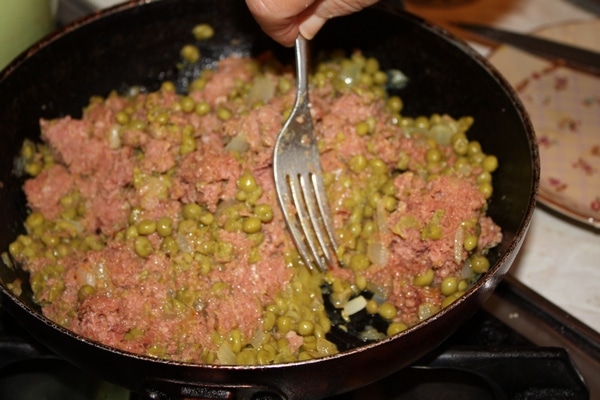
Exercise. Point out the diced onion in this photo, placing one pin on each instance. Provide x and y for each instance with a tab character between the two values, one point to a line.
370	333
225	355
355	305
114	138
459	239
237	143
377	252
262	90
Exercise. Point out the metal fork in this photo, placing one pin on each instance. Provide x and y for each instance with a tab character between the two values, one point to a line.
299	177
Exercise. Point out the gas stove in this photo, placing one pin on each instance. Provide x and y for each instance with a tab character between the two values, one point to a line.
519	346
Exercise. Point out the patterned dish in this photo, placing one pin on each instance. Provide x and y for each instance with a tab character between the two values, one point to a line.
564	106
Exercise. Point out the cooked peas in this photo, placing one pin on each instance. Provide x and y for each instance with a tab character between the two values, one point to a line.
146	227
203	31
479	264
143	246
396	327
252	225
263	212
190	53
202	108
449	285
195	242
424	279
192	211
470	242
164	226
387	310
490	163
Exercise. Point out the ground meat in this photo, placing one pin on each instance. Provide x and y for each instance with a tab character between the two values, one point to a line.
155	226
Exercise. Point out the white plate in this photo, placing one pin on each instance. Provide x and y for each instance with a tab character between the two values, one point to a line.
564	106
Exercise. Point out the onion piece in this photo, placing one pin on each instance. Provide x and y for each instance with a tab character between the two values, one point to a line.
225	355
370	333
354	305
263	89
377	252
459	239
237	143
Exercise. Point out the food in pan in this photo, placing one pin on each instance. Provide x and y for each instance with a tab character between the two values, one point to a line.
155	229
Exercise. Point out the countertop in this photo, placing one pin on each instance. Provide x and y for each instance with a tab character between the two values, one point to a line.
560	258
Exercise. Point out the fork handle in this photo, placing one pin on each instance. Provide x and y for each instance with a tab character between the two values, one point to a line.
301	49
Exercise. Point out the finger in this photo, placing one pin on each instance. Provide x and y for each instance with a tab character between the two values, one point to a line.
313	18
279	19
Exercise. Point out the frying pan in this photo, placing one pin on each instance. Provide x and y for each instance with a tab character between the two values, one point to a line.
138	43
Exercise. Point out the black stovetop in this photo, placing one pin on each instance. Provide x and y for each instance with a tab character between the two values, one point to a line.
518	346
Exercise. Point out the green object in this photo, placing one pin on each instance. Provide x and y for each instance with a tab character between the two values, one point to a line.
22	23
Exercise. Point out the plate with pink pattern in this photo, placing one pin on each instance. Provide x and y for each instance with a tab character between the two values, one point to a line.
564	107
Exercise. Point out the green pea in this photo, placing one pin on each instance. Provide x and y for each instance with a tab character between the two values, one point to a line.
164	226
387	311
207	219
284	324
142	246
433	156
247	183
284	85
33	168
223	113
366	79
252	225
403	161
187	104
371	65
203	31
484	177
85	291
359	262
479	264
167	86
452	298
380	77
131	232
460	143
372	307
169	245
264	212
192	211
202	108
122	118
486	189
395	328
470	242
34	220
389	203
424	279
449	285
362	128
474	147
357	163
394	103
190	53
378	166
306	328
146	227
490	163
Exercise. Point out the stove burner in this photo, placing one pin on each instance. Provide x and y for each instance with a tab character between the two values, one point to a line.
485	359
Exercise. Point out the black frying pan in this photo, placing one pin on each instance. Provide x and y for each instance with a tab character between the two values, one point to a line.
138	44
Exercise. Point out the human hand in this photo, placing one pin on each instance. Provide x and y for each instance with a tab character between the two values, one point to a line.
283	20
